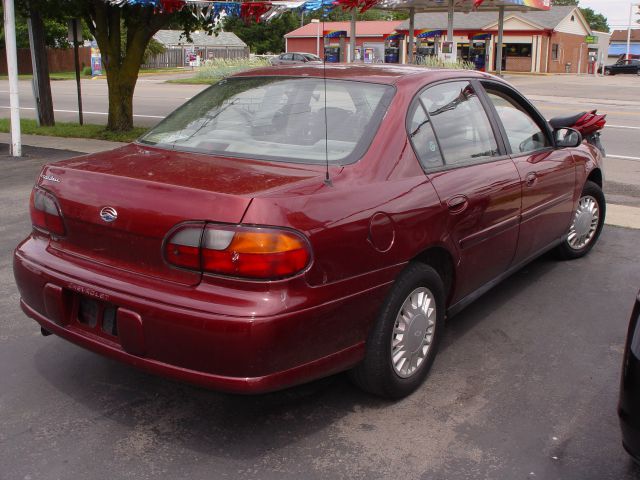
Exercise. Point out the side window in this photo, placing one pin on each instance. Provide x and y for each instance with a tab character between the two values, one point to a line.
287	56
423	140
298	58
524	135
460	123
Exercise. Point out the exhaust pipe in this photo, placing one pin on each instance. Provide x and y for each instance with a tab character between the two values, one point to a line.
45	333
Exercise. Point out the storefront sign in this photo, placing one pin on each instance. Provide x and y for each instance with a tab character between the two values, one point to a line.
591	39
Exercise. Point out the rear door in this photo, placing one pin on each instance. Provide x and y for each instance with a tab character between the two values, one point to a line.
477	183
547	175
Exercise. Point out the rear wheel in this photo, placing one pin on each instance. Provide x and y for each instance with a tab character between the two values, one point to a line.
403	342
586	225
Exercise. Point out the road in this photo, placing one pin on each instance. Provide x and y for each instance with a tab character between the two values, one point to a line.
555	95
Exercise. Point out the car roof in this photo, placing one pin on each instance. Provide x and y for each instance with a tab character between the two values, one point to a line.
388	74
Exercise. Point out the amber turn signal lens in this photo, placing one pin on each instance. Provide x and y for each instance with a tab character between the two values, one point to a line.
263	253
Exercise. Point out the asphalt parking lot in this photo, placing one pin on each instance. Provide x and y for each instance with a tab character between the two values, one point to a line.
525	387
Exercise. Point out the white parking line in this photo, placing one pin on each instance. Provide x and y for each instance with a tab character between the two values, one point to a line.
622	126
85	112
622	157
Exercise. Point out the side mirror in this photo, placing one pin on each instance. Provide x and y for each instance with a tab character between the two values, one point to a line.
567	138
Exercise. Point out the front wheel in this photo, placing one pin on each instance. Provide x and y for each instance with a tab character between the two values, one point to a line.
586	224
403	342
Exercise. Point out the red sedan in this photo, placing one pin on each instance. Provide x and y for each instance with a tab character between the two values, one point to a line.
289	223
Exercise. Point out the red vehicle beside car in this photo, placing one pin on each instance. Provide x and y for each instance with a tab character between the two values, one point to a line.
289	223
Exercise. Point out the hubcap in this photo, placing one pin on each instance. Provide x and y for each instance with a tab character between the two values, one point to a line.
585	223
413	332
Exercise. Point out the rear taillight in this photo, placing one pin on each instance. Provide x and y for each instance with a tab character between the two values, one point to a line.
238	251
45	212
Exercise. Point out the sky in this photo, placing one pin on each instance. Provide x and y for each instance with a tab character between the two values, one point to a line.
616	11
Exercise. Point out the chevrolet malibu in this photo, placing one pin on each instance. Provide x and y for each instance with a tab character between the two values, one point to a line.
289	223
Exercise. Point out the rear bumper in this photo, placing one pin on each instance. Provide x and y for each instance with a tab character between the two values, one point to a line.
328	365
241	353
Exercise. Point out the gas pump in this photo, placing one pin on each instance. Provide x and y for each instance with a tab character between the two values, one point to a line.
392	52
334	53
392	47
479	50
593	62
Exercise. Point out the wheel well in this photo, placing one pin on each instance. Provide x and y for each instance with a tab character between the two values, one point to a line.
596	177
442	262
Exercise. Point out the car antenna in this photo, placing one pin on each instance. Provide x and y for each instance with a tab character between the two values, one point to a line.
327	179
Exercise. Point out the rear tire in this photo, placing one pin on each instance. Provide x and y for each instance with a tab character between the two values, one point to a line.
403	343
586	225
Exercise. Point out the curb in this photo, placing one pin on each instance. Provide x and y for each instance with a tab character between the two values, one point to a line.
82	145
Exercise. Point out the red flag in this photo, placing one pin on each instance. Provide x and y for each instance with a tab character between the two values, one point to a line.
477	3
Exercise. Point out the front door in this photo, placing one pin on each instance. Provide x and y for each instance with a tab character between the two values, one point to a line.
547	175
478	185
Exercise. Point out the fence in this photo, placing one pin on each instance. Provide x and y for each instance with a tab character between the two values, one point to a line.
177	56
60	60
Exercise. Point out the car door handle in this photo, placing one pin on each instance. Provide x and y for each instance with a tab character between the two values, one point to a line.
458	204
531	178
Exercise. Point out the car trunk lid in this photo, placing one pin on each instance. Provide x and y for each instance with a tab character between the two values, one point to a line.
151	191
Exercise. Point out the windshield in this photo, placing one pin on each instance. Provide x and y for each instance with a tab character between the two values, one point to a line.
278	118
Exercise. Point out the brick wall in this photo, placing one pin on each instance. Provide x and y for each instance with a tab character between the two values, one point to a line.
569	52
518	64
60	60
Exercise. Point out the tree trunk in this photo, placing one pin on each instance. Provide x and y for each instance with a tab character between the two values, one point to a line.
121	90
106	22
44	100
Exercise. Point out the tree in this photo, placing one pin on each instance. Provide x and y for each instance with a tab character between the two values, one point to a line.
122	59
597	21
263	37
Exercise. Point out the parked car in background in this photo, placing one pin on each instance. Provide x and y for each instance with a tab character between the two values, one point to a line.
629	406
294	222
293	58
631	66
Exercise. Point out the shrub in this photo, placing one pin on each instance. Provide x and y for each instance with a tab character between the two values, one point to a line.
218	68
436	62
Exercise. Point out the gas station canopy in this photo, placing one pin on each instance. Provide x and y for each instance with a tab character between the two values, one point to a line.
465	5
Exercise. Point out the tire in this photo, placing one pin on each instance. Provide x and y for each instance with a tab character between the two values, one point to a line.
377	373
607	72
586	224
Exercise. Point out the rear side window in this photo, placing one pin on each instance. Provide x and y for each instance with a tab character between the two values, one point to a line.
460	123
423	139
524	135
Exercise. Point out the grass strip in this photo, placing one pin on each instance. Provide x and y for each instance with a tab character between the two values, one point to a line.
74	130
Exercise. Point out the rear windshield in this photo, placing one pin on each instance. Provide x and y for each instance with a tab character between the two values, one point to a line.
278	118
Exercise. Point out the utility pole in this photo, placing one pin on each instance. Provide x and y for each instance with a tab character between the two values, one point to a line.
352	37
76	35
12	68
40	65
629	28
